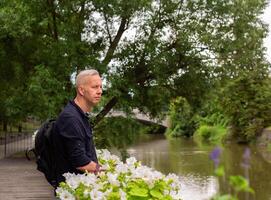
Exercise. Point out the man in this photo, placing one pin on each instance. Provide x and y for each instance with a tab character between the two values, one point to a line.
73	142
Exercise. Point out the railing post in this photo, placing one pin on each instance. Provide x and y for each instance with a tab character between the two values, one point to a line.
5	147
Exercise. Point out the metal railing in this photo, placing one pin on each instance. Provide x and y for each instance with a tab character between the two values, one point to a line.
14	142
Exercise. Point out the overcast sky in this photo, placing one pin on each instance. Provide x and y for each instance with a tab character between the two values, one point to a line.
267	19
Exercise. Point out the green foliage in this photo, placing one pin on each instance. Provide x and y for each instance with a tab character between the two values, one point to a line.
219	171
215	119
212	112
238	184
181	118
246	102
212	134
138	189
11	15
44	102
117	132
212	121
179	48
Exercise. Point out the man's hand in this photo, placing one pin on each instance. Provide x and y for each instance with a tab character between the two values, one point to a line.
92	167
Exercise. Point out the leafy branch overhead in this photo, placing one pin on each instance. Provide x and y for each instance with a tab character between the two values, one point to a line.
148	51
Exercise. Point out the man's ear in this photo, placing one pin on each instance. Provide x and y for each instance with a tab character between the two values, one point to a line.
81	90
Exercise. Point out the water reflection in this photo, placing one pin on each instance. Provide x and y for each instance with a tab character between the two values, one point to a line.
198	187
191	162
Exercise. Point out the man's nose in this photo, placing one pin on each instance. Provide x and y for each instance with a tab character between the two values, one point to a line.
100	91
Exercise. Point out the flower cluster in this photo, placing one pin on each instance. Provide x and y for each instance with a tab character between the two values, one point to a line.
120	181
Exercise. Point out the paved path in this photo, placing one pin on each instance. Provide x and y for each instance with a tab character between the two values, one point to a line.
19	179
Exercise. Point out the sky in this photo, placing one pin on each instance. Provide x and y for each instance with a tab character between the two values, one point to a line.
267	19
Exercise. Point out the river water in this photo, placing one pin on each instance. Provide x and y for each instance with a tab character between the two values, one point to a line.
191	161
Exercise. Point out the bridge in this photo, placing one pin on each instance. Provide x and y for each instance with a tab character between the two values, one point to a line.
136	114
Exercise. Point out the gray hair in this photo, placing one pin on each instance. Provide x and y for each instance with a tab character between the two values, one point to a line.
80	78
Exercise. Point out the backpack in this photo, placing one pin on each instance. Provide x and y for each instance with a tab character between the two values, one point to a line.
43	150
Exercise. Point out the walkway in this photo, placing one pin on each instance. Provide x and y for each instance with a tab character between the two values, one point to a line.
19	179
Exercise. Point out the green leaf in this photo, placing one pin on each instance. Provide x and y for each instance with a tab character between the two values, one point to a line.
113	196
220	171
239	183
224	197
140	192
157	194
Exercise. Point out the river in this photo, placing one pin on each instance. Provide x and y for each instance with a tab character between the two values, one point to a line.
191	161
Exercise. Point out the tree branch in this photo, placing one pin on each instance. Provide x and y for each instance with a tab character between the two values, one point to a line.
53	13
107	28
115	42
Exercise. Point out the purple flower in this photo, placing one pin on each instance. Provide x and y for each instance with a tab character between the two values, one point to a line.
246	159
214	156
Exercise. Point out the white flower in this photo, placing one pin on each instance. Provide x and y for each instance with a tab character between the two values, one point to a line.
88	179
174	177
122	195
98	152
105	154
176	195
121	168
96	194
176	184
166	192
86	193
113	179
115	158
118	175
141	172
72	180
108	191
131	161
105	166
64	194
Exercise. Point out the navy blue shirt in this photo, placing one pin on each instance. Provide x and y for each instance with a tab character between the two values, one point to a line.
73	141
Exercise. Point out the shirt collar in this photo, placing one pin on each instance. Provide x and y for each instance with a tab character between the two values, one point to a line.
87	114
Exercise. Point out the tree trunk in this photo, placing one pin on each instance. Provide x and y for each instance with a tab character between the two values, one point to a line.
5	126
20	128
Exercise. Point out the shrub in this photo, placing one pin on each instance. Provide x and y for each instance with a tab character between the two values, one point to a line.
213	134
246	102
182	122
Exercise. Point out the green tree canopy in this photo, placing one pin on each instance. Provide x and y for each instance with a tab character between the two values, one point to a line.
148	51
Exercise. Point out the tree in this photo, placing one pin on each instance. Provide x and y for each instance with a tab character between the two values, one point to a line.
246	103
148	51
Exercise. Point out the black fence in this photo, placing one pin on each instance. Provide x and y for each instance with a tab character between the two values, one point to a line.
11	143
14	139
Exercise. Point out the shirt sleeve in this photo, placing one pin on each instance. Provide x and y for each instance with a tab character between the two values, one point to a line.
73	137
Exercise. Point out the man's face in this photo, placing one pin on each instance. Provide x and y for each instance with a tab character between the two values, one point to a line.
92	90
